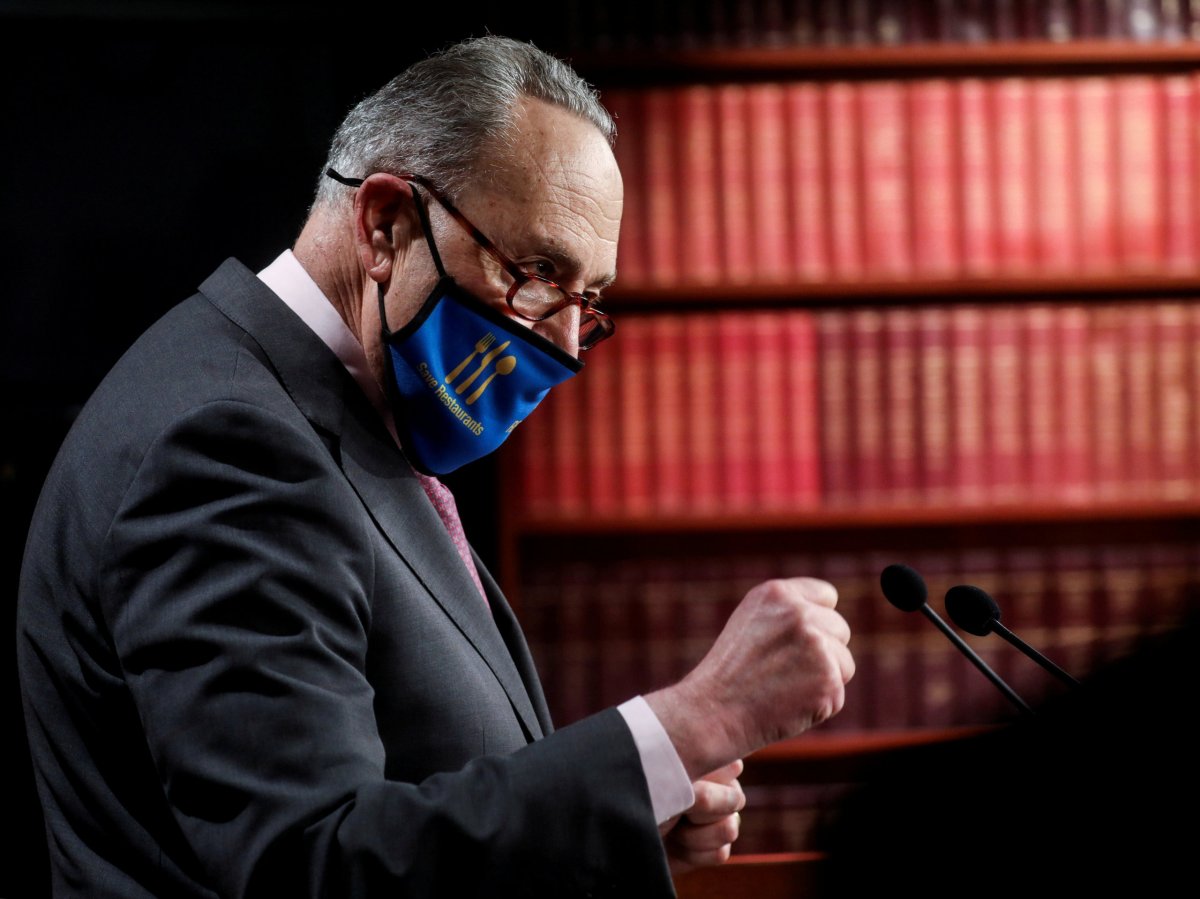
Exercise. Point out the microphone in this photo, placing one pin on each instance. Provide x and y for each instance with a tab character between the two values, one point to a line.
972	609
905	589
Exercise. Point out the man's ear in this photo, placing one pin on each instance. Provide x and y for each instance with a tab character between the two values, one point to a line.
385	223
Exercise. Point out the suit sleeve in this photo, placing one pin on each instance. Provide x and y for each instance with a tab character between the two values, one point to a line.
236	584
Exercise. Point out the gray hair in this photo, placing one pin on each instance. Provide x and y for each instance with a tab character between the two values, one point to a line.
439	116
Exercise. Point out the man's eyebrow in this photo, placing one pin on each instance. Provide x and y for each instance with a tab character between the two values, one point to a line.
566	262
606	281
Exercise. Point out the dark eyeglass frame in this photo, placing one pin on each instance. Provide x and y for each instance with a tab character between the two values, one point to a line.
603	325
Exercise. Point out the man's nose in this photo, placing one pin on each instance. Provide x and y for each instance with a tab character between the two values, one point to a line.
562	329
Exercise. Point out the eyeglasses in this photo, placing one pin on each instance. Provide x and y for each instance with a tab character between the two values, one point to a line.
531	297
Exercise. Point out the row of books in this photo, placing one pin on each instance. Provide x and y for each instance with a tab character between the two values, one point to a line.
796	410
665	25
896	180
604	629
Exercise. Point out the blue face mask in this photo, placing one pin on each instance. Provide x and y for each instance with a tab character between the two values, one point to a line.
462	375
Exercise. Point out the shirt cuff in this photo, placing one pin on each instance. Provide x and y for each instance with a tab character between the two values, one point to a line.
671	790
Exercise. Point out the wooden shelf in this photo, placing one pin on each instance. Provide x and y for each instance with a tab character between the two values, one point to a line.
841	757
795	875
910	60
854	519
635	297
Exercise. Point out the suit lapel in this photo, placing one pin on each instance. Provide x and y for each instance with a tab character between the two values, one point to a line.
398	504
374	466
514	639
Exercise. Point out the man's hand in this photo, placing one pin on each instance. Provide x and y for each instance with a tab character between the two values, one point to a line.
779	667
704	834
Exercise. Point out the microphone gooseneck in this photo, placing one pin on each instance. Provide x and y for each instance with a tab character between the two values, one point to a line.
904	588
972	609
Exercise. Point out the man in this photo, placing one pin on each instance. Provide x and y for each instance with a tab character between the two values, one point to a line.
257	655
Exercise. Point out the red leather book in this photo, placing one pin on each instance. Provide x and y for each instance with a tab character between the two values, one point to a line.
599	467
1180	121
967	410
1141	421
1124	578
844	177
668	425
769	203
616	599
1022	590
1096	173
1075	480
1074	607
735	351
901	424
635	407
661	200
1140	172
1194	391
799	388
866	406
1108	388
569	438
936	204
1041	399
736	182
1175	353
898	693
661	591
1171	585
701	446
531	458
933	399
809	191
835	397
1074	636
1004	407
887	218
766	397
977	166
700	249
937	677
1014	175
702	597
1054	186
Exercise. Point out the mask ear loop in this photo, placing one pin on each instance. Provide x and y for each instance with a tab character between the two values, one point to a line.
426	231
422	214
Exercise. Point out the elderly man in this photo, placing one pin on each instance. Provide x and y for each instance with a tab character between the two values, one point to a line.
258	656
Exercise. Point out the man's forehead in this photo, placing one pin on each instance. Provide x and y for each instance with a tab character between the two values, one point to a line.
555	191
553	150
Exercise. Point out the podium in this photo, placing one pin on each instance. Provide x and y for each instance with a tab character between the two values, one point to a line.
1092	795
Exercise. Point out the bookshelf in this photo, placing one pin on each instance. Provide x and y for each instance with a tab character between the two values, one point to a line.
1001	57
816	294
1025	514
913	366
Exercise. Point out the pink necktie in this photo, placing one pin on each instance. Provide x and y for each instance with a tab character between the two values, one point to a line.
443	500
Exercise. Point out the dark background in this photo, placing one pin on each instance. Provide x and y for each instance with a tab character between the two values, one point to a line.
142	143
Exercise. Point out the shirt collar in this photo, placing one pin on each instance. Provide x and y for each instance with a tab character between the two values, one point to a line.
291	283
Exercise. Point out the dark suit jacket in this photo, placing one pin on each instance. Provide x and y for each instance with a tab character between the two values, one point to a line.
254	664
